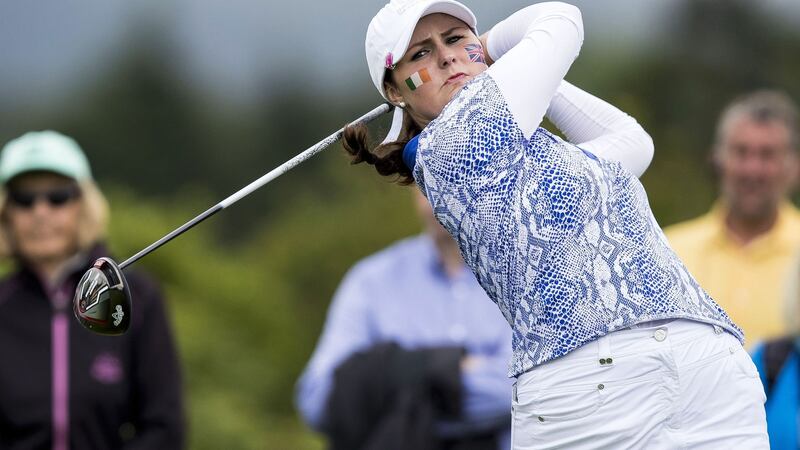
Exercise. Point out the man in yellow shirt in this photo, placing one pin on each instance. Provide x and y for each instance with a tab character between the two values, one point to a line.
742	251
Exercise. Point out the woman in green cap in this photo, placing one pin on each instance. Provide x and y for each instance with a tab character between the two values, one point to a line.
61	386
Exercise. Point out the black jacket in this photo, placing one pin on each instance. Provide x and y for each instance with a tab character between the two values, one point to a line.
389	398
124	392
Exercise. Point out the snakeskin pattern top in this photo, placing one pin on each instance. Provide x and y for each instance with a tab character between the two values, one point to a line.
563	241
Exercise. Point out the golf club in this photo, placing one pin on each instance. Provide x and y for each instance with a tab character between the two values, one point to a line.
102	301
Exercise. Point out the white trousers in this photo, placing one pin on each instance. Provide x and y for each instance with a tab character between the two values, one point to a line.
679	385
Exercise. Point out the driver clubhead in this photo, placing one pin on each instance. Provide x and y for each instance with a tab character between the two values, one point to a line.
102	300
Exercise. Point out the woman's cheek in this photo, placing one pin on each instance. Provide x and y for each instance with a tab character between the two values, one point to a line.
419	79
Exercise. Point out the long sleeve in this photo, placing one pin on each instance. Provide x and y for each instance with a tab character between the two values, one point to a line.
158	415
529	68
587	121
487	388
346	332
525	205
600	128
486	394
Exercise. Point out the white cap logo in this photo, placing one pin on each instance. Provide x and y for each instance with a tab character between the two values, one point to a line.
118	315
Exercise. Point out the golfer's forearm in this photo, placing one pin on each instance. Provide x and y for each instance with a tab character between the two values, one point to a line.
601	128
529	73
508	33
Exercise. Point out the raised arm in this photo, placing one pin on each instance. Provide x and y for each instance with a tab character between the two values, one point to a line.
587	121
531	51
600	128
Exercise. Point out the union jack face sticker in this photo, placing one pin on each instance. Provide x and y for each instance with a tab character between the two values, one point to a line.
475	53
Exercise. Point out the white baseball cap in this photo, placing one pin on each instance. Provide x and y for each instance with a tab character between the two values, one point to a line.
389	34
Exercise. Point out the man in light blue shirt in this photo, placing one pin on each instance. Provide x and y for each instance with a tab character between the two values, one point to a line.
418	294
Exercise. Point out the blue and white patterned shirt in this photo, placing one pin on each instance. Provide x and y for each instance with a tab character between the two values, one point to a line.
563	241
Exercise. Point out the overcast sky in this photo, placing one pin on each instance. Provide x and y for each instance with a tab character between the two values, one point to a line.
230	47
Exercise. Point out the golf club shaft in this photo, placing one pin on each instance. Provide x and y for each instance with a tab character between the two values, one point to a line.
247	190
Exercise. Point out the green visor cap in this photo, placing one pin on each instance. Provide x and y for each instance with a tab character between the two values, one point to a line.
47	151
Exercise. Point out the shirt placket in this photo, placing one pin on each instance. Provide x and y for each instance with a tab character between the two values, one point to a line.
59	299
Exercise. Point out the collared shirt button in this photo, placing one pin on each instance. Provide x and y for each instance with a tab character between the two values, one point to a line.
541	419
601	386
660	334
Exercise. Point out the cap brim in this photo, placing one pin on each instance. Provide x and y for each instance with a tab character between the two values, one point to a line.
445	7
37	167
448	7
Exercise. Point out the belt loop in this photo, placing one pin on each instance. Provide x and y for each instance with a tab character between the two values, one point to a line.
604	351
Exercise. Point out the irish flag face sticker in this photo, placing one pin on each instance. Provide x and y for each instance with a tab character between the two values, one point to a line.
417	78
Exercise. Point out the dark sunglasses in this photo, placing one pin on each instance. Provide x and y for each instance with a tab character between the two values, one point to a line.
54	197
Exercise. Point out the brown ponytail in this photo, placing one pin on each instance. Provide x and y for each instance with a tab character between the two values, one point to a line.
387	158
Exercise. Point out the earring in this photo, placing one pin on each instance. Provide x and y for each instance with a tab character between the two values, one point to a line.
402	104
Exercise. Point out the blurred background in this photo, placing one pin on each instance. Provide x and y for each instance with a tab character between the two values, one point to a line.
179	103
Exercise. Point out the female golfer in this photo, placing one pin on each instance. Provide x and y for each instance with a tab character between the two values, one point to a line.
614	343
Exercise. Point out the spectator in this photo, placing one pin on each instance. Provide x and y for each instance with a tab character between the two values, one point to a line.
741	250
411	322
61	386
778	362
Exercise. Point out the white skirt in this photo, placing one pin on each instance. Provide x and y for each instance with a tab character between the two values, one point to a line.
678	385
